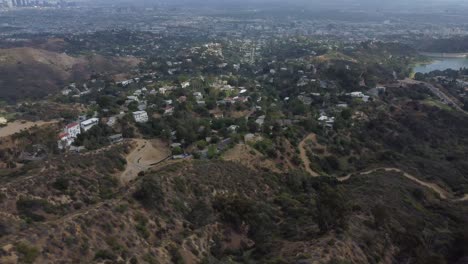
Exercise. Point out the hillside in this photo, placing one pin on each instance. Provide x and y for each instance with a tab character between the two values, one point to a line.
446	45
222	149
222	212
35	73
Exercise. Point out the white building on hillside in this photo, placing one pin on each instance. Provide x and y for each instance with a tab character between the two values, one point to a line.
185	84
68	136
198	96
356	94
88	124
140	116
73	130
64	141
364	97
3	121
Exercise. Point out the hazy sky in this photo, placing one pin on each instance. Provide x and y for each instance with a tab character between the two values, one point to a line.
363	3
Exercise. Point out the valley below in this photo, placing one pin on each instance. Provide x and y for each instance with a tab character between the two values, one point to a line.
137	133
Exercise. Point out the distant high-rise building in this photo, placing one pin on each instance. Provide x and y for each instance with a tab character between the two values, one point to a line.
26	3
6	3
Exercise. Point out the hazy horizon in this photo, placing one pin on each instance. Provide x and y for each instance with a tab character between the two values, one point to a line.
403	5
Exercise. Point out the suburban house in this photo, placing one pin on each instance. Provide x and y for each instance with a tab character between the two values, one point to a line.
218	115
68	136
112	121
305	99
126	82
140	116
260	120
185	84
233	128
176	145
168	110
162	90
73	130
143	105
356	94
132	98
65	140
88	124
198	96
326	120
117	138
364	97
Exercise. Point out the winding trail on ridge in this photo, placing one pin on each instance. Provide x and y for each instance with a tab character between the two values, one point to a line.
145	155
444	194
303	154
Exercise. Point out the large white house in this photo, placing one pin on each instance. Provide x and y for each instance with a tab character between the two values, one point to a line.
364	97
68	136
88	124
73	130
140	116
65	140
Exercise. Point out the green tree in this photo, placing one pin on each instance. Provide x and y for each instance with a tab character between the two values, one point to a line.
133	106
150	193
212	151
332	208
177	151
26	253
419	76
380	214
346	114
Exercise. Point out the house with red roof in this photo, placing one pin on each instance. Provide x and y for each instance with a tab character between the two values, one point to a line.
73	129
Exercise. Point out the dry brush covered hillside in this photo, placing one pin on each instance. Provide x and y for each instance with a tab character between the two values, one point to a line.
34	73
73	211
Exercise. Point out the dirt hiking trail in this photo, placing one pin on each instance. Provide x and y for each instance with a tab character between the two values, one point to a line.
444	194
303	153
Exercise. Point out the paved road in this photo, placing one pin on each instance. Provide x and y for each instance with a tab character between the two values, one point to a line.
442	96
